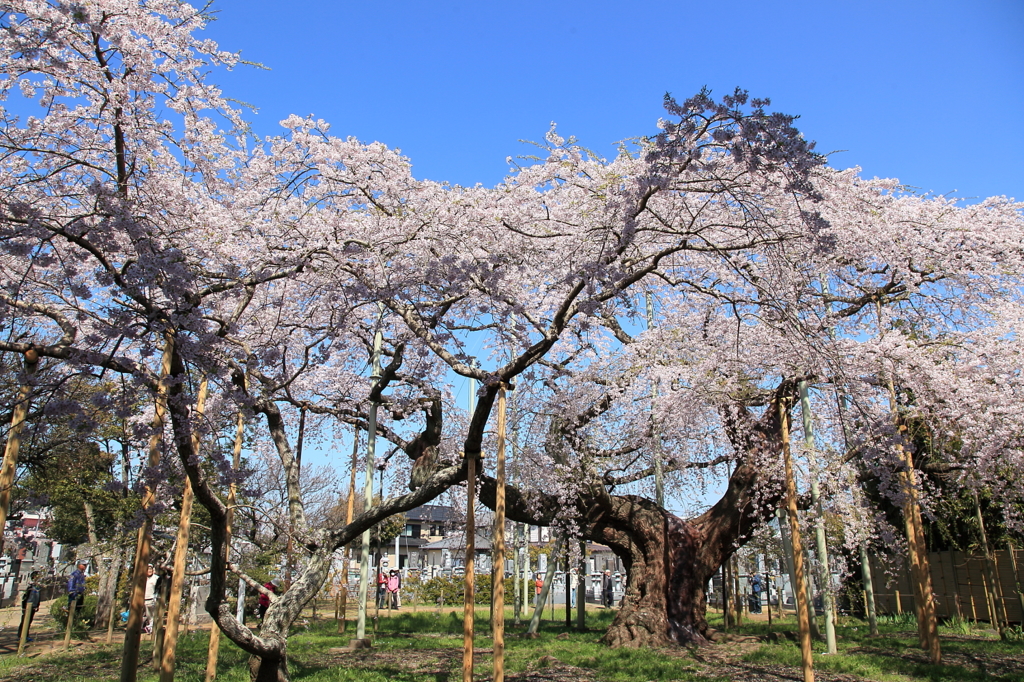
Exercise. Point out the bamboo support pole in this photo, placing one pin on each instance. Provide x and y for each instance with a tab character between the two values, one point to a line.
994	586
802	607
869	590
343	609
371	445
545	590
990	569
970	587
726	594
525	578
469	604
517	593
136	608
821	545
568	590
469	578
498	555
1016	575
737	592
581	589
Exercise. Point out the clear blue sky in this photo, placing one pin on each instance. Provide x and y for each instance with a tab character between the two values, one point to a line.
929	92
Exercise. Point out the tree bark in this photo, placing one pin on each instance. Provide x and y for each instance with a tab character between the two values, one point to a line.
109	573
10	461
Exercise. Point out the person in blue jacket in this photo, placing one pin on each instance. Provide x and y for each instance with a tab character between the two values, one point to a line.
76	586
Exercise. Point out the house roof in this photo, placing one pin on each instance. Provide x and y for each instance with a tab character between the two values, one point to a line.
457	541
430	512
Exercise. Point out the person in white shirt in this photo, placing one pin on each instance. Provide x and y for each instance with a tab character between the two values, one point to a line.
152	579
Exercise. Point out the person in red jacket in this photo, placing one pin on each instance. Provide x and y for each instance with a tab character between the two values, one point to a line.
264	600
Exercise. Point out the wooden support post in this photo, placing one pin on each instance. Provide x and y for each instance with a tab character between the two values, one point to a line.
542	598
1016	575
371	449
568	590
899	606
581	589
72	605
113	575
469	605
970	587
10	463
517	592
799	589
113	612
498	554
726	594
136	608
869	589
920	569
821	545
169	654
994	593
737	592
342	609
26	618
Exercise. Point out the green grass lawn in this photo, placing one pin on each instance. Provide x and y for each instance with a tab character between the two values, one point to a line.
427	647
969	654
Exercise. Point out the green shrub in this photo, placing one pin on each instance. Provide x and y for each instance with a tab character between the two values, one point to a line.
450	590
901	619
958	625
83	615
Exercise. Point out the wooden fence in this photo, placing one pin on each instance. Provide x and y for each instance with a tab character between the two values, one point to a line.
960	584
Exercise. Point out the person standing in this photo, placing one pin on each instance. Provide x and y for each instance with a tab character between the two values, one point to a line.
755	594
394	585
263	603
607	589
382	589
152	590
30	600
76	587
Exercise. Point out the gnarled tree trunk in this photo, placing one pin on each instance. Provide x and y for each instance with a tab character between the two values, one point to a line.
669	560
